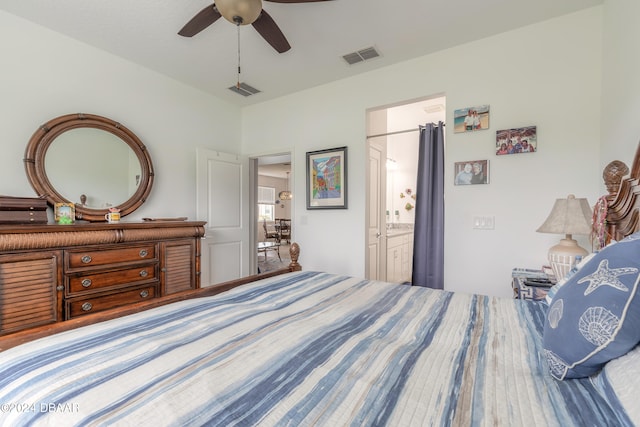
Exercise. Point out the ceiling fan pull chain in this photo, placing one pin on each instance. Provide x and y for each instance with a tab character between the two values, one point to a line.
238	26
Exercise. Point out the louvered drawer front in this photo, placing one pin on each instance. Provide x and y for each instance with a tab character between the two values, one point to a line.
81	306
179	268
27	291
84	259
87	283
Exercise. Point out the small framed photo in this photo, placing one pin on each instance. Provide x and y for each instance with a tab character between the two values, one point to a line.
470	119
65	213
516	141
471	172
327	179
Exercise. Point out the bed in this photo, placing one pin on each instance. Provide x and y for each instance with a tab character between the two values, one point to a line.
311	348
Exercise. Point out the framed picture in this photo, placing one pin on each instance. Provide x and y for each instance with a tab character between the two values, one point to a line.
471	172
65	213
327	179
471	119
518	140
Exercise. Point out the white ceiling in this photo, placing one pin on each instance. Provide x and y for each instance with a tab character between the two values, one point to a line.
275	166
145	32
275	170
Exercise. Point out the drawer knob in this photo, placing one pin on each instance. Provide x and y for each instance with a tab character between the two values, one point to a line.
60	288
144	273
86	283
144	293
87	306
86	259
143	253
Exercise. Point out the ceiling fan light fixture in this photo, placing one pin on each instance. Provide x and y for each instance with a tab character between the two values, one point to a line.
240	12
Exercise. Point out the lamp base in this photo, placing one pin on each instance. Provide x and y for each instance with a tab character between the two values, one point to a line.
562	257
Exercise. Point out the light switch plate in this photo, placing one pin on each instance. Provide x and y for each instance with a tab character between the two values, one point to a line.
484	222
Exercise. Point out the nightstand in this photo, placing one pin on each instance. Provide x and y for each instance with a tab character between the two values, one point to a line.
529	284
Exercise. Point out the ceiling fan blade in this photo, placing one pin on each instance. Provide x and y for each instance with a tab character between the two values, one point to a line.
294	1
202	20
269	30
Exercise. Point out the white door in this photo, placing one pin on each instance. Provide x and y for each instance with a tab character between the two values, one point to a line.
222	200
376	256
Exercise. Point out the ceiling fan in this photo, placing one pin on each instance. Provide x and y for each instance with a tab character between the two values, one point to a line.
242	12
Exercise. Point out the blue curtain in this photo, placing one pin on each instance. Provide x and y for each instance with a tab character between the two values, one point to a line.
428	239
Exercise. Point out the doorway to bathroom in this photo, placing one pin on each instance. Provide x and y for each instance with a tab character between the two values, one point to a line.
392	167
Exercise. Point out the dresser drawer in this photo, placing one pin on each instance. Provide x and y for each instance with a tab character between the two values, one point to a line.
76	259
80	306
86	283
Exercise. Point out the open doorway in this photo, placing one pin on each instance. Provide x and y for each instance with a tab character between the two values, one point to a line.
274	225
392	149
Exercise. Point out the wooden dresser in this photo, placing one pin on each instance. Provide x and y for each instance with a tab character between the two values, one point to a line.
52	273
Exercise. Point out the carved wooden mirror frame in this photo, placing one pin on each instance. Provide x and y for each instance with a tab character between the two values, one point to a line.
41	140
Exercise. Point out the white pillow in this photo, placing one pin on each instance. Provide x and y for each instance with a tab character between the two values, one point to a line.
618	382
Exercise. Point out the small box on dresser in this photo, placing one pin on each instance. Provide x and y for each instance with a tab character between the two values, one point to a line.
23	210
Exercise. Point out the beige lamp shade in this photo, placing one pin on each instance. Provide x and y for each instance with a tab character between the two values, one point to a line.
568	216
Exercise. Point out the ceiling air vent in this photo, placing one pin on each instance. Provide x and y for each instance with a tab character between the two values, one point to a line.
244	89
361	55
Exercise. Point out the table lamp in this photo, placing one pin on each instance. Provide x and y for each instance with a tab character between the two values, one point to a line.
568	216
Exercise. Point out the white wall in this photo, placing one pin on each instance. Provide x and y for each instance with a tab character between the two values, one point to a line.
621	82
45	75
546	75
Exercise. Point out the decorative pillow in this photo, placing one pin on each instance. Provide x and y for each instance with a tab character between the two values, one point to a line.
555	288
595	316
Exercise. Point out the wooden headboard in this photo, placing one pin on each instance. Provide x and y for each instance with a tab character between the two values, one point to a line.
623	207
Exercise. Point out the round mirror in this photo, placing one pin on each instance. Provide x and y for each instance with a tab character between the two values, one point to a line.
91	161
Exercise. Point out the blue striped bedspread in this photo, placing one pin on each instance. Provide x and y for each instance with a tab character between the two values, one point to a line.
303	349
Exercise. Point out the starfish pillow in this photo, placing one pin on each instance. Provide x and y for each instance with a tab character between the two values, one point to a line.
595	315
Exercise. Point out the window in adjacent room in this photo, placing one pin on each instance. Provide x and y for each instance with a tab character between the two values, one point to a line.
266	203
